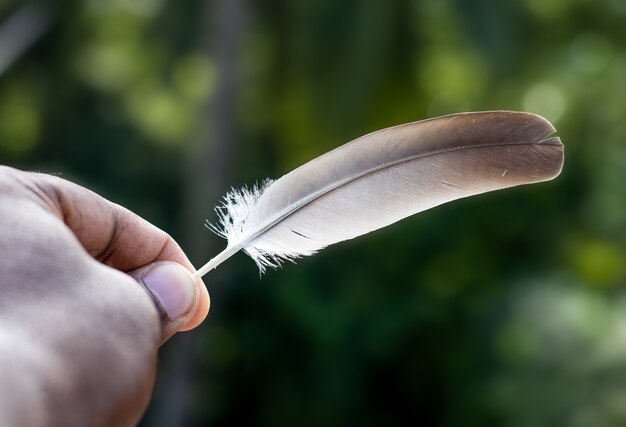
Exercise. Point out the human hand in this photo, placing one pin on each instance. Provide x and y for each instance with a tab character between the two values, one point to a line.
88	292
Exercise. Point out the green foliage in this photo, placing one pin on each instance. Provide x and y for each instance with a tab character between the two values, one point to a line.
505	309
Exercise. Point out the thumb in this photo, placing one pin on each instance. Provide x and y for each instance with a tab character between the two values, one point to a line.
174	290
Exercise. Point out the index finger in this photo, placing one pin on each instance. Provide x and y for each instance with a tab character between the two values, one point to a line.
114	235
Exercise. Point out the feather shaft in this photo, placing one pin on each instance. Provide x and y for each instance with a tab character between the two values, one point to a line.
217	260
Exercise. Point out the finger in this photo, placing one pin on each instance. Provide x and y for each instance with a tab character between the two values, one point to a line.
174	291
114	235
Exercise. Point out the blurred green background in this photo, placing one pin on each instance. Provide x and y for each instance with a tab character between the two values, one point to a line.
506	309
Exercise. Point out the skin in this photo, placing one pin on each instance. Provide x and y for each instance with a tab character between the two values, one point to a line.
79	333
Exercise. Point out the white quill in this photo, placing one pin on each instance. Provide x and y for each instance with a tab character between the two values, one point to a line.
382	177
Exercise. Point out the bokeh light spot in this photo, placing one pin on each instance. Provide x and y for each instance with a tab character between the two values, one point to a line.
590	52
545	99
194	76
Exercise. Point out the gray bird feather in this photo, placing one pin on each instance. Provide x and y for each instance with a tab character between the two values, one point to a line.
383	177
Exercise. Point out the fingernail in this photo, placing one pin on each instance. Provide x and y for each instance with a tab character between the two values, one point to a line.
173	286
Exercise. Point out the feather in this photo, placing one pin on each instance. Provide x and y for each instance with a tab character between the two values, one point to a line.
383	177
